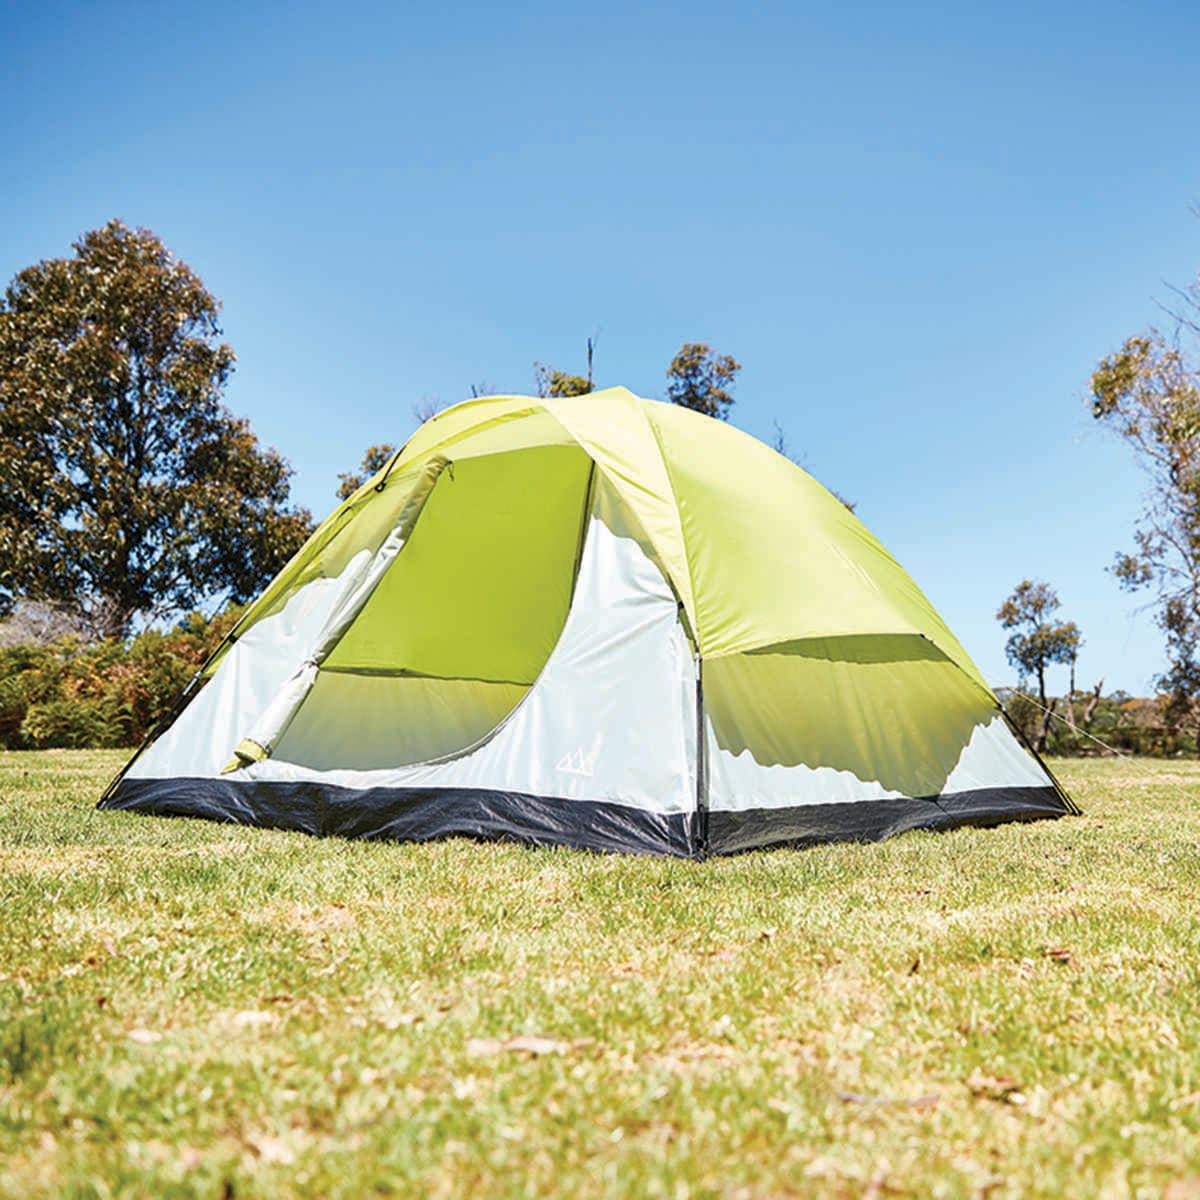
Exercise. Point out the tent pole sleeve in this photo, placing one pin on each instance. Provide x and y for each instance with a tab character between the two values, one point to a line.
273	722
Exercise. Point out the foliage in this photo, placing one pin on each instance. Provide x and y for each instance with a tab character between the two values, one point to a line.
193	1009
374	459
130	490
1180	622
550	381
1037	641
700	379
1149	394
109	693
1103	725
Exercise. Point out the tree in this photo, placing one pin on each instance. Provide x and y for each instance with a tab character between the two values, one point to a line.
700	379
549	381
1148	392
374	459
1037	641
129	489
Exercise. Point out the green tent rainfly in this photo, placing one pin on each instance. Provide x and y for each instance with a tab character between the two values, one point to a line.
595	621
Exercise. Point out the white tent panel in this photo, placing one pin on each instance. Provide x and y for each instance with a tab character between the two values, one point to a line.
258	664
995	759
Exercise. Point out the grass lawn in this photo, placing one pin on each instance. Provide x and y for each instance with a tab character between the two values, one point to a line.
189	1009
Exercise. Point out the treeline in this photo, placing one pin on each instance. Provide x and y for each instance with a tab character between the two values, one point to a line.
77	694
1091	725
72	693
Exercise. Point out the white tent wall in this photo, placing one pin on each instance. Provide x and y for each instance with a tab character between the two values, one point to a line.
256	667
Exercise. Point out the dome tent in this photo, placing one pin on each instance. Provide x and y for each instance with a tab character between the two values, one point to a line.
598	621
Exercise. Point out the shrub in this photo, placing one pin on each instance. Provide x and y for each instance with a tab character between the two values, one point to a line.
111	693
77	724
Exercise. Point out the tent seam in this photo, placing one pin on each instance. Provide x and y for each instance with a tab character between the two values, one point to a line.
702	782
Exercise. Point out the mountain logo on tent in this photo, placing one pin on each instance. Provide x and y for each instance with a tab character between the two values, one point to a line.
577	763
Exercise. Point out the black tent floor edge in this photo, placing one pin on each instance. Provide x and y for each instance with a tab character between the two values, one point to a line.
872	821
411	814
428	814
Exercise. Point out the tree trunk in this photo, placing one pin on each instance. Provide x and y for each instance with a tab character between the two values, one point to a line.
1093	700
1044	731
110	617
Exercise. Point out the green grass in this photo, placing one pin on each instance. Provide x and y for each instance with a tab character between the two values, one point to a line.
188	1009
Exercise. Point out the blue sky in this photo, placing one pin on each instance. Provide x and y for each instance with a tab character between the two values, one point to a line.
917	226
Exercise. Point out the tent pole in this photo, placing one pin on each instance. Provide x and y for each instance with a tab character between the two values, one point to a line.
701	825
1070	804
